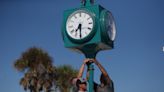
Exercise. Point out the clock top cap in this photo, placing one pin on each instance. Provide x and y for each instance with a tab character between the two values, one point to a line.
87	3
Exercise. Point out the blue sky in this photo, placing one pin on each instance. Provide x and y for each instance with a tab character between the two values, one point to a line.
136	64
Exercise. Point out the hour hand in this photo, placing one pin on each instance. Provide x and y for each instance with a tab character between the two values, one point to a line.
77	28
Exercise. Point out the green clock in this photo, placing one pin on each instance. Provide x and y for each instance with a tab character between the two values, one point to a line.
88	29
80	25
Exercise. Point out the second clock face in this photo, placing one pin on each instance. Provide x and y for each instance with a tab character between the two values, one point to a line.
110	25
79	24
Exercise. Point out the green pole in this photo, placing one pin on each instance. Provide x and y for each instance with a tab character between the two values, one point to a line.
91	73
90	52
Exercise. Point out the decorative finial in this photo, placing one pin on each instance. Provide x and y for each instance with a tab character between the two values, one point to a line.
87	2
92	1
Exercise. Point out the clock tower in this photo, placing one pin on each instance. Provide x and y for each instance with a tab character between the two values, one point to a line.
88	29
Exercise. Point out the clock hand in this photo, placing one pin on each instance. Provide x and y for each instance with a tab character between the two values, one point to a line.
77	28
80	30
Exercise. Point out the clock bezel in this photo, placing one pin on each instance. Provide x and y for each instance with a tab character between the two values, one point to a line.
90	35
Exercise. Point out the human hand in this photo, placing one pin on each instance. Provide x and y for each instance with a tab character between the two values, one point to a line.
89	60
94	61
86	61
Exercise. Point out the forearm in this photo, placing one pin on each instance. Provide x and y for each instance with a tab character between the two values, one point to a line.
101	68
80	74
103	71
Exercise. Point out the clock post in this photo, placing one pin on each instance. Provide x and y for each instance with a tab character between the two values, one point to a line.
88	30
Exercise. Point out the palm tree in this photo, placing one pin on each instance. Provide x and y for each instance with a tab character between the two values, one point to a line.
64	74
39	73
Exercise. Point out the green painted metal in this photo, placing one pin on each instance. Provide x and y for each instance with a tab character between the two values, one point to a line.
91	77
88	2
98	39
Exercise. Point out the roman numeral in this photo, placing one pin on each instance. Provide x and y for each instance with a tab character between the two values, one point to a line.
80	14
88	18
86	33
90	22
76	34
72	21
84	15
89	28
75	17
70	26
72	31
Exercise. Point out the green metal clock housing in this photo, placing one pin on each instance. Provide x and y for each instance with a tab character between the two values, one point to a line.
98	39
88	29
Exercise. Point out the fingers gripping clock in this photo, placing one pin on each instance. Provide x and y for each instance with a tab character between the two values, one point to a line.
79	24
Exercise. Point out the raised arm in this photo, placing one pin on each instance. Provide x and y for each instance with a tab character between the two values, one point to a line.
103	71
80	74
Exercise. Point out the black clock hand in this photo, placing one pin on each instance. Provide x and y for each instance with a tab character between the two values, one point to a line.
80	30
77	28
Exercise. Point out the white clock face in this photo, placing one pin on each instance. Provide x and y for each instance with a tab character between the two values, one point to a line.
79	24
111	26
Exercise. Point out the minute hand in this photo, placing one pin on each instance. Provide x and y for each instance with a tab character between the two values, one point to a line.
80	30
